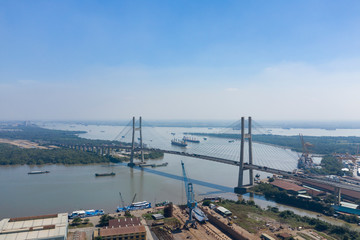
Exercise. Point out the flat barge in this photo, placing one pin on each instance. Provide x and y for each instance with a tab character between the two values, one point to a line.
104	174
38	172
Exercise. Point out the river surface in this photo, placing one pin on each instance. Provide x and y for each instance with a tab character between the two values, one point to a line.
69	188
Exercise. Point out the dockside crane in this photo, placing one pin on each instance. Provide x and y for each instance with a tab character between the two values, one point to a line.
191	203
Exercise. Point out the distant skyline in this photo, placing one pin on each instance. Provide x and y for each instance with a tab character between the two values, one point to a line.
214	60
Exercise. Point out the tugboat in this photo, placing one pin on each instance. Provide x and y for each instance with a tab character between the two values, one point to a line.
104	174
177	142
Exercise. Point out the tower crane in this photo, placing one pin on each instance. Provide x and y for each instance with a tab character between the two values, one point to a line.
191	203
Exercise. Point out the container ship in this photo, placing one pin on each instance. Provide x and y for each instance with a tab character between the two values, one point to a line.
104	174
86	213
38	172
135	206
180	143
189	139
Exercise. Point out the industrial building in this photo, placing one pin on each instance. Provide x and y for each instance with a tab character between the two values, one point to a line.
289	186
49	227
223	211
121	229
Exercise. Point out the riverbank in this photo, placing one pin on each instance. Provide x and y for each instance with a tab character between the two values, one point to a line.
272	221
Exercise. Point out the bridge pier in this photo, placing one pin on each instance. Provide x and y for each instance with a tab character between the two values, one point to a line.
338	195
241	188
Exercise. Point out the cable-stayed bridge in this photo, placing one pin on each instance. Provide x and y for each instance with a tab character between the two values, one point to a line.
239	150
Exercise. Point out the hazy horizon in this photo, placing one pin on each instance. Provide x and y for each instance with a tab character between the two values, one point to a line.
196	60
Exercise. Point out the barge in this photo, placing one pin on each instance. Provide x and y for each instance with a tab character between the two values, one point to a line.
104	174
189	139
38	172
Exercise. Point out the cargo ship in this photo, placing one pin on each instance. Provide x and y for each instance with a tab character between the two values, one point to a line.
38	172
86	213
177	142
104	174
189	139
135	206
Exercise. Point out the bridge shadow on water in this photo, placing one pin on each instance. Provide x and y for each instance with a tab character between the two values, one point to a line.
221	188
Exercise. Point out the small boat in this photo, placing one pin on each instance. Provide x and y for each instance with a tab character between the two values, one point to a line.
231	141
38	172
205	138
172	133
104	174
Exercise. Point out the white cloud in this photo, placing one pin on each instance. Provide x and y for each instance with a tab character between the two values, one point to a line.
298	91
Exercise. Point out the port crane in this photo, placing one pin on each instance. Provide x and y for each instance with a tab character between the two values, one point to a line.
191	203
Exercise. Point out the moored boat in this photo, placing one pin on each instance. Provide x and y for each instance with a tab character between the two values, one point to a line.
180	143
135	206
86	213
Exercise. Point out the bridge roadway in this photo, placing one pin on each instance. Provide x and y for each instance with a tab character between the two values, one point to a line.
251	166
263	169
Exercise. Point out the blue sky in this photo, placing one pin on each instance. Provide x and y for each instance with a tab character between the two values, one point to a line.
180	59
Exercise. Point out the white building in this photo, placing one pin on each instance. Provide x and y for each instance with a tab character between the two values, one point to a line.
50	227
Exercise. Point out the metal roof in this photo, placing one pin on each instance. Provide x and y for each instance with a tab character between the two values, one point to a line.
37	227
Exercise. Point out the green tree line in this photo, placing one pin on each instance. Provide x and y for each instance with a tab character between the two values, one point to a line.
320	145
12	155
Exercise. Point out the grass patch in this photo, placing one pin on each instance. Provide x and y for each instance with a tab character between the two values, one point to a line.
148	216
81	225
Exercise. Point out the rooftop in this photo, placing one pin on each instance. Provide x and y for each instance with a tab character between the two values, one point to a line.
287	185
104	232
124	222
36	227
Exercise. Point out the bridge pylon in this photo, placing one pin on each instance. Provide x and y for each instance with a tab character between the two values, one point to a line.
131	163
241	188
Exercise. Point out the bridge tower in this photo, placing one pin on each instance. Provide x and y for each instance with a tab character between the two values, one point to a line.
134	129
241	187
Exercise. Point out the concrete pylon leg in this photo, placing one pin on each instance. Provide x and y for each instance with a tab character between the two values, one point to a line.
131	163
240	188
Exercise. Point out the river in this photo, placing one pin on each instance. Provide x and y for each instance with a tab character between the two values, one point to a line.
69	188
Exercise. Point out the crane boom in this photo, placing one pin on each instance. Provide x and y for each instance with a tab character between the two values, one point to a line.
122	200
191	203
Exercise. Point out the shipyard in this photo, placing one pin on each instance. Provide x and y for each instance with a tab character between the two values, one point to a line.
172	120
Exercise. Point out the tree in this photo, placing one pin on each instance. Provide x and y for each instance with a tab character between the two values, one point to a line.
206	203
168	210
127	213
76	221
104	220
86	221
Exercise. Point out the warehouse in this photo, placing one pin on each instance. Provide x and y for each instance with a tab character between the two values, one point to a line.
51	227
